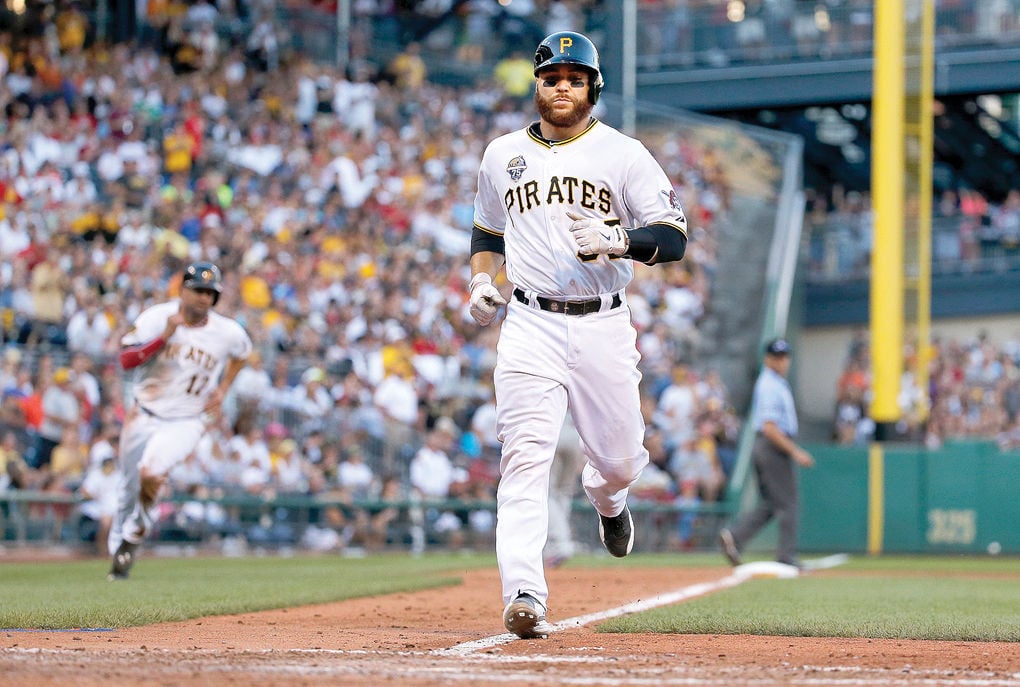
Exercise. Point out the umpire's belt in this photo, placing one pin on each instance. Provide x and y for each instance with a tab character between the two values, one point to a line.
585	306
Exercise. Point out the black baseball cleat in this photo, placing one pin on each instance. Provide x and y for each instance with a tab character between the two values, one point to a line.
525	617
123	559
729	547
617	533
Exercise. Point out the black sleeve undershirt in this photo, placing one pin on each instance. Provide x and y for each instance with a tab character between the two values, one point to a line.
652	244
485	242
656	243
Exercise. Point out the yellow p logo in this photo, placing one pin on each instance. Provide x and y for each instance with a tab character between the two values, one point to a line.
565	42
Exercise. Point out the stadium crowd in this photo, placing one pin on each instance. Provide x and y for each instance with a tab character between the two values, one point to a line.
970	232
973	385
717	34
339	206
973	393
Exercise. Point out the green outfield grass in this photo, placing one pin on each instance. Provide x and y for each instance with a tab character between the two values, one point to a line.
949	597
75	594
896	597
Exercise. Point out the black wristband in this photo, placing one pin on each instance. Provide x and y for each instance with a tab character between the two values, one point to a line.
643	245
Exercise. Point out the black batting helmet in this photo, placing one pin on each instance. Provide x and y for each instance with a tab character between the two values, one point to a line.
569	47
204	275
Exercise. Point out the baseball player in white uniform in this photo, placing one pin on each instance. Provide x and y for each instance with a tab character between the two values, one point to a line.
565	205
184	357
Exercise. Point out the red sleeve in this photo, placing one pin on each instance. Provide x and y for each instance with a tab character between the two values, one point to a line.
133	356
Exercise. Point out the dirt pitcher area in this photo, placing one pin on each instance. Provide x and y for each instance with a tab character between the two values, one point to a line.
454	636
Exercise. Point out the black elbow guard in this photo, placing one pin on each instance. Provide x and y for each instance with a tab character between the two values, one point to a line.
656	243
486	242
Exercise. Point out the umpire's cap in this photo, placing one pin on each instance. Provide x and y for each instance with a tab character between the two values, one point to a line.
569	47
778	347
204	275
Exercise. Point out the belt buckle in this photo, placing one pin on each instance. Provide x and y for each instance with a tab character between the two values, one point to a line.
576	307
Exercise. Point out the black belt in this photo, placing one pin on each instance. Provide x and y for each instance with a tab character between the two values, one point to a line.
577	307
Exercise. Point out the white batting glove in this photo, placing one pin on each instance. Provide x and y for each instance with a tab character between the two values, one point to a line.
485	299
595	237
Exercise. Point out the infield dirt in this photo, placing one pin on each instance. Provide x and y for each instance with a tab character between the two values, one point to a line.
415	639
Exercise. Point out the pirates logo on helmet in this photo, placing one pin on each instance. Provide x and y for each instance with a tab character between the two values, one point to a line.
204	275
569	47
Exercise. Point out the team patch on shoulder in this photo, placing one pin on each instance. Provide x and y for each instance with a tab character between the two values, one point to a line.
516	168
674	199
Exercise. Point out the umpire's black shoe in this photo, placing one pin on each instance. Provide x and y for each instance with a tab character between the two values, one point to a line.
729	547
617	533
123	559
792	562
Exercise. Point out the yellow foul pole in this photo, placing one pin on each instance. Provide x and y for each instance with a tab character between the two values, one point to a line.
887	170
926	150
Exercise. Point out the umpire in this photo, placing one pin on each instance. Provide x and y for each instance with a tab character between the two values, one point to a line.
774	419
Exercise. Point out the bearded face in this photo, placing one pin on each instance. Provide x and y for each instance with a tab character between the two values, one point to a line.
561	97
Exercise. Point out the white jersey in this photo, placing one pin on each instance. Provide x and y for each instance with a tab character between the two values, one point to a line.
176	382
526	185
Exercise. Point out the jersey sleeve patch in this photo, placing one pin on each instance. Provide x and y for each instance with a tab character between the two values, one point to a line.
674	199
516	168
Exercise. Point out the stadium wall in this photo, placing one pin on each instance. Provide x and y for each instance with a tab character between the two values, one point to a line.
958	499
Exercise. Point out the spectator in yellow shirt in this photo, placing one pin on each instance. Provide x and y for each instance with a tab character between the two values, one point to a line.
72	28
515	75
255	291
70	459
408	68
177	151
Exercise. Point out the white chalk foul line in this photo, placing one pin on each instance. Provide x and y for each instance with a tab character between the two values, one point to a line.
741	573
666	599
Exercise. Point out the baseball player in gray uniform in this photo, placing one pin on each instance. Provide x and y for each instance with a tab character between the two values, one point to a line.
184	358
565	206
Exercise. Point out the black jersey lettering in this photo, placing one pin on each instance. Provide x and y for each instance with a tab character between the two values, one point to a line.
571	183
531	194
587	195
523	198
555	194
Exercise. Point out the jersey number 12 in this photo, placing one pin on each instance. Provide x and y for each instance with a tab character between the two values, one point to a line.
197	383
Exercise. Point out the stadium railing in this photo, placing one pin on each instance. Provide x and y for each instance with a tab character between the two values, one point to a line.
35	518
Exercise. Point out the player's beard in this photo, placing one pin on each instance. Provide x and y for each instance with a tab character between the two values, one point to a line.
563	120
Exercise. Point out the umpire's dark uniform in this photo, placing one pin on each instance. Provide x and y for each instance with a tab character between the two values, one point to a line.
774	419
